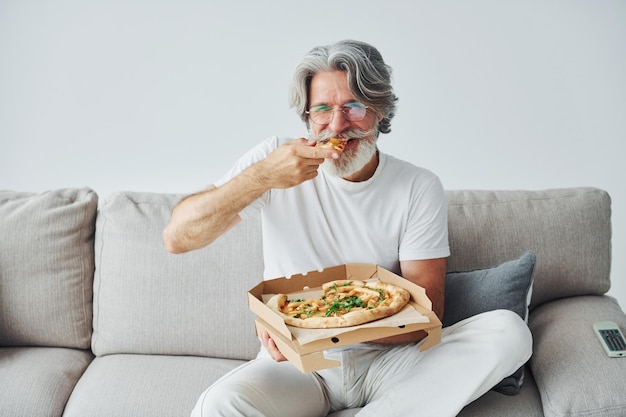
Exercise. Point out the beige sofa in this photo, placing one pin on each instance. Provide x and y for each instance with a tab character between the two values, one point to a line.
97	319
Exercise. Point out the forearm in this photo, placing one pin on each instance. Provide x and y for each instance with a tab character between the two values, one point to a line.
200	218
429	274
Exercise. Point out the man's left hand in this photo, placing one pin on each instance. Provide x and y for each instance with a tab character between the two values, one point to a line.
271	348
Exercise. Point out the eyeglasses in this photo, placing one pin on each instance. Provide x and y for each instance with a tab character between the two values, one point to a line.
323	115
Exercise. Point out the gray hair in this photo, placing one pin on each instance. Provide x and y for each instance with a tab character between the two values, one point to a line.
369	78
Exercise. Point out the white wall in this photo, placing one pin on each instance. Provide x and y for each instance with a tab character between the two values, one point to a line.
163	95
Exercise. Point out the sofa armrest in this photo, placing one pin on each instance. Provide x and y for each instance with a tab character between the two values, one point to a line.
574	375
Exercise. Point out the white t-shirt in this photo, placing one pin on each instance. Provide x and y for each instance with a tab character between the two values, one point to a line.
398	214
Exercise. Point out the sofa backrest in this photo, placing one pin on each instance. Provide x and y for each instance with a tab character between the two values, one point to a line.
148	301
568	229
46	267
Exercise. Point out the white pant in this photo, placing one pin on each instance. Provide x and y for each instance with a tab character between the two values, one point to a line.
473	356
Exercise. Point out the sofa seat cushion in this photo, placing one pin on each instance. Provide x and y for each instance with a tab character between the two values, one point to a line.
46	267
574	375
37	381
144	385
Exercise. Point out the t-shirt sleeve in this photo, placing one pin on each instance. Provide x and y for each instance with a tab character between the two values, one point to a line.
426	234
254	155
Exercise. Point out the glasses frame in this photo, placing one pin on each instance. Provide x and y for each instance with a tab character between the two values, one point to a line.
344	108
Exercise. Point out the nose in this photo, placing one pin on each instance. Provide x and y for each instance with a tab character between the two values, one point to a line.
338	123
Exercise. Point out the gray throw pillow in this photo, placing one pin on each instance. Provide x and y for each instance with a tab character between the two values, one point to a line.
506	286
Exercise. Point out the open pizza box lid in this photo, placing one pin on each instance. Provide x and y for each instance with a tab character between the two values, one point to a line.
309	356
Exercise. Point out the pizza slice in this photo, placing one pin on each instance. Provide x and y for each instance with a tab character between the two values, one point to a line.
333	143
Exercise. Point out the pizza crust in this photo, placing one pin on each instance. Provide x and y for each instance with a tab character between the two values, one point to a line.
394	300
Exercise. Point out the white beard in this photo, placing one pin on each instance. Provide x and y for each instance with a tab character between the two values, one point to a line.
352	161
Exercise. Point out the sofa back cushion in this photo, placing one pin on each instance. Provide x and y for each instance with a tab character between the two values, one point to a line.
46	267
569	230
148	301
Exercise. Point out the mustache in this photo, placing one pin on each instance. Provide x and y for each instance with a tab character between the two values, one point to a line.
348	134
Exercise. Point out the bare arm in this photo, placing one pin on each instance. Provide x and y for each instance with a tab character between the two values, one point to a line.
429	274
200	218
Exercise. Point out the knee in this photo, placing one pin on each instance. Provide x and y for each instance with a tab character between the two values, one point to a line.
509	333
209	401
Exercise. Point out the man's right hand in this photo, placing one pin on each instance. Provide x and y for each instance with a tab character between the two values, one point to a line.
200	218
293	163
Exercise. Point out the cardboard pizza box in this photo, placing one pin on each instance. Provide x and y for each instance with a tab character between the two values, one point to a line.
309	356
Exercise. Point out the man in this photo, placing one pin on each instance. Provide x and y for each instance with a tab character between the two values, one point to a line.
320	208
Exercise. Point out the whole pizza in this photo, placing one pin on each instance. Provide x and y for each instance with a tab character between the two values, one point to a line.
342	303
